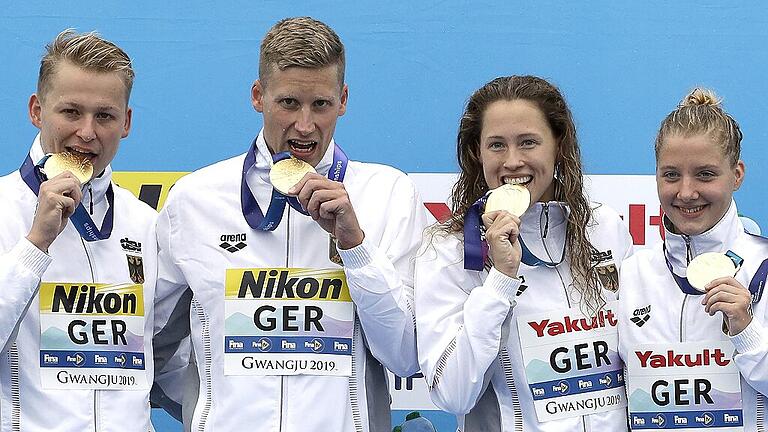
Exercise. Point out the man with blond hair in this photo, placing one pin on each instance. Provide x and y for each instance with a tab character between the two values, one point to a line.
77	255
296	296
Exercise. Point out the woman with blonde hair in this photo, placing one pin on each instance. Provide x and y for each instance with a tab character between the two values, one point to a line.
512	311
691	325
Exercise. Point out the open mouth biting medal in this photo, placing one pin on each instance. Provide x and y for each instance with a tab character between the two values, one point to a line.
710	266
515	199
57	163
287	173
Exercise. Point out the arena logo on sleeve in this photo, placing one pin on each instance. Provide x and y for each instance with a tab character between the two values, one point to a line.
92	336
571	362
287	321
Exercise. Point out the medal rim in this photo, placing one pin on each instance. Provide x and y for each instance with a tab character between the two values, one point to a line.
704	262
508	189
301	167
57	163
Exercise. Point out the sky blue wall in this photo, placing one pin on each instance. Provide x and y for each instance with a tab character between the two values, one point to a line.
411	65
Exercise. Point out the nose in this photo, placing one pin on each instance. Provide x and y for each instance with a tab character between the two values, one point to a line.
513	159
688	190
305	121
86	130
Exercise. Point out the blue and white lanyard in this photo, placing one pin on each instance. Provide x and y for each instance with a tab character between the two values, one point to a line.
82	221
252	212
476	248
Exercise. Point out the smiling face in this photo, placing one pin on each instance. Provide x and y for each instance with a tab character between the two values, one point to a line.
300	108
82	112
517	146
695	182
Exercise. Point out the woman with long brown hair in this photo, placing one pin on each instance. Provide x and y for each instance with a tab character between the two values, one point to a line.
514	327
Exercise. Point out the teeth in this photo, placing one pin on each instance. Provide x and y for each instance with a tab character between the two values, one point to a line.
299	144
517	180
691	210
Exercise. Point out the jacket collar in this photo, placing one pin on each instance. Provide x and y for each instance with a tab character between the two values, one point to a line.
719	238
550	215
98	184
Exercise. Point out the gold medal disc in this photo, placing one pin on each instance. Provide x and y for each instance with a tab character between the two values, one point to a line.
513	198
79	166
286	173
707	267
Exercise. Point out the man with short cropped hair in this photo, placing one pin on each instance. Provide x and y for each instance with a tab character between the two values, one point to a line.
77	255
298	295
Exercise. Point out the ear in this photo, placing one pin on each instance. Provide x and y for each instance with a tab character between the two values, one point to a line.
257	96
739	171
344	98
127	125
35	111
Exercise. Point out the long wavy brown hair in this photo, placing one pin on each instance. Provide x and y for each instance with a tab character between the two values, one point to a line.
569	189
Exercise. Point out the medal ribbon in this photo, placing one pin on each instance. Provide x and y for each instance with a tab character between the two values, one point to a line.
252	212
82	221
476	248
756	285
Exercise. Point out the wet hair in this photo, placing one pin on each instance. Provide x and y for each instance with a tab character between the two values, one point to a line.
569	187
300	42
701	113
88	51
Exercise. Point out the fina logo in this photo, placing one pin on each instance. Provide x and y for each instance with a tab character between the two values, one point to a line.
263	344
315	345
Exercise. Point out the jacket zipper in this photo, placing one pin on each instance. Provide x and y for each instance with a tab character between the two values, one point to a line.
13	357
688	249
287	264
353	390
207	358
506	367
90	195
96	401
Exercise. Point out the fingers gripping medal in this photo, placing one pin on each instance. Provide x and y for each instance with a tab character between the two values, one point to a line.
286	173
709	266
513	198
57	163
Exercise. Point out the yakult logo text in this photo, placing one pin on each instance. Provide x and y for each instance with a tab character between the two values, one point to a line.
670	359
569	325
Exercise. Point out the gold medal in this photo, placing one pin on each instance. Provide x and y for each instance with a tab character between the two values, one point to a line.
513	198
707	267
58	163
286	173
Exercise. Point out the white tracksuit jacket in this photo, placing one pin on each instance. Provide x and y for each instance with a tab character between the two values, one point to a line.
26	405
677	317
468	342
203	207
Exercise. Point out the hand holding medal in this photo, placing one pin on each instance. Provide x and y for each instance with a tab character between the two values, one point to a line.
59	196
501	217
713	274
325	200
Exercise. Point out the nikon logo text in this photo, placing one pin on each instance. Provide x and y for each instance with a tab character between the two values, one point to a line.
84	299
277	284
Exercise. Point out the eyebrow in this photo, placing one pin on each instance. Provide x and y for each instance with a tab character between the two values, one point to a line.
98	108
521	136
700	167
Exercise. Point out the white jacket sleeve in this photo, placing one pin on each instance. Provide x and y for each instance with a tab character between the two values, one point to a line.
752	354
171	333
380	278
459	323
21	269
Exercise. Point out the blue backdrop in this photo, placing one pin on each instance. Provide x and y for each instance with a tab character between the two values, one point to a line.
410	68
